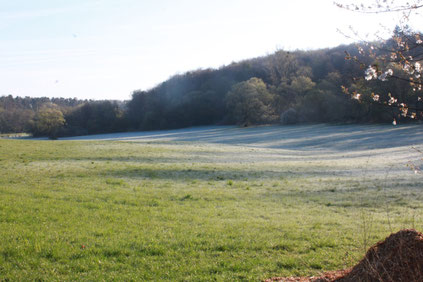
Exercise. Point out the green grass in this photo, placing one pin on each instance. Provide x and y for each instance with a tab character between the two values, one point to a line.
74	210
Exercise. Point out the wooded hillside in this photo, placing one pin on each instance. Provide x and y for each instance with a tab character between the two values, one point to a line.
284	87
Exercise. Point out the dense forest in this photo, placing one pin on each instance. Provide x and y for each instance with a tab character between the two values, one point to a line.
284	87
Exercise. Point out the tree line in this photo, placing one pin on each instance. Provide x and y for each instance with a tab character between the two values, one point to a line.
283	87
57	117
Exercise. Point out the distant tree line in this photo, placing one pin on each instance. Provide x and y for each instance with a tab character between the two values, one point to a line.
57	117
284	87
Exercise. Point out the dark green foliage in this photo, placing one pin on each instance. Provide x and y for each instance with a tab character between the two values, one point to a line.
289	116
195	98
95	117
300	87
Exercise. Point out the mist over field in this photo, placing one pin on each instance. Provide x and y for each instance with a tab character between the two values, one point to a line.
326	137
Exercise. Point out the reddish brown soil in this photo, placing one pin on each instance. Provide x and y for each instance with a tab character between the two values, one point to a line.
398	258
325	277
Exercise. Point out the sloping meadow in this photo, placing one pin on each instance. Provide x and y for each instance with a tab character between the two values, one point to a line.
163	209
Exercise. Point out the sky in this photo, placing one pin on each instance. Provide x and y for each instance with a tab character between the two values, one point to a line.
106	49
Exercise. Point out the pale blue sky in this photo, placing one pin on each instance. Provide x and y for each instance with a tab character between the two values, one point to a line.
105	49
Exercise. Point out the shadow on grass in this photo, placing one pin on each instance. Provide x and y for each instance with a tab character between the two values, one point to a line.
302	137
352	197
217	173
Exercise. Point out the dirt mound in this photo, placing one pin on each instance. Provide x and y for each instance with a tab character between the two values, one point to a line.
398	258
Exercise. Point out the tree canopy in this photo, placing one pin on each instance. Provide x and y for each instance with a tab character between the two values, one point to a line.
48	121
249	102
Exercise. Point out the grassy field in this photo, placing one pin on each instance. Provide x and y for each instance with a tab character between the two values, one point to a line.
160	209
